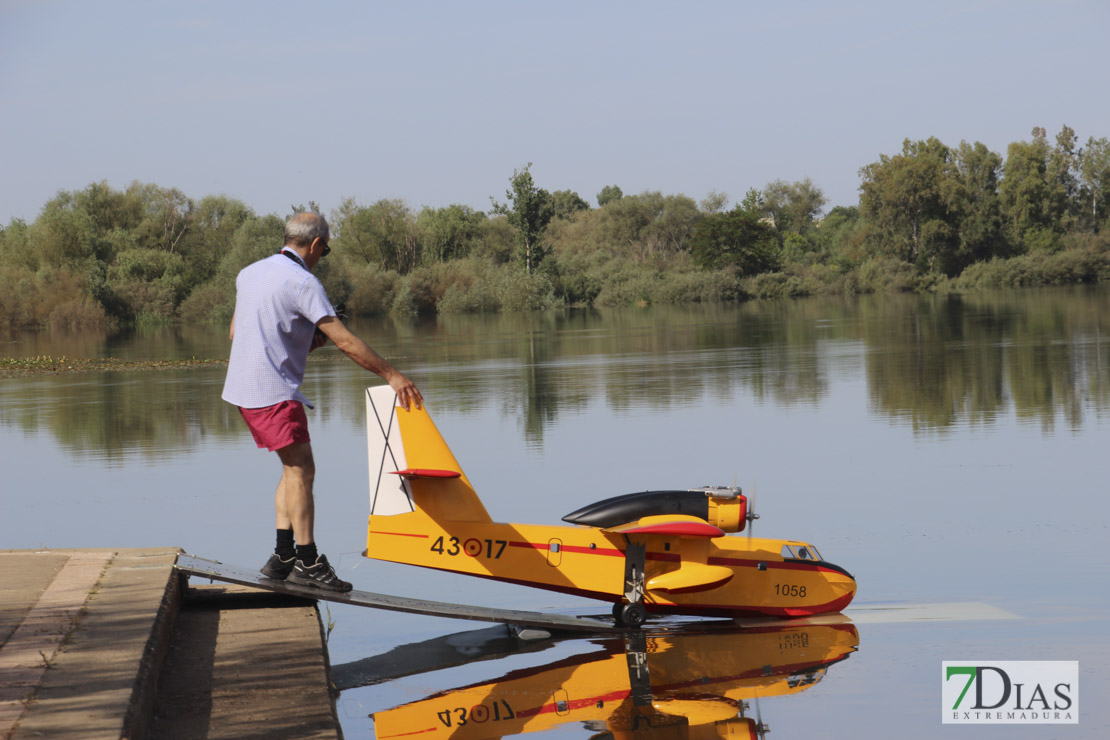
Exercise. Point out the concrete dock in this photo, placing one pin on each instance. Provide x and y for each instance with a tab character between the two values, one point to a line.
117	644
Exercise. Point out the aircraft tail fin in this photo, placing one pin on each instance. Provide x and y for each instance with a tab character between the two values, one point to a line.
411	467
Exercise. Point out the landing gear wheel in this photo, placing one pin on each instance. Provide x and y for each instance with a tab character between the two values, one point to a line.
630	615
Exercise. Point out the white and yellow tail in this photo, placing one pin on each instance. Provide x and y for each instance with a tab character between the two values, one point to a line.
412	471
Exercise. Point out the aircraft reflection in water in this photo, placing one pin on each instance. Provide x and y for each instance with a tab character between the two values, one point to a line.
643	685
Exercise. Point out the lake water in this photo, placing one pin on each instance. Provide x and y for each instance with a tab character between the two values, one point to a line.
941	448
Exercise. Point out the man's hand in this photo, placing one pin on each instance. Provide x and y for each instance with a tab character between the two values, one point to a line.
406	392
318	341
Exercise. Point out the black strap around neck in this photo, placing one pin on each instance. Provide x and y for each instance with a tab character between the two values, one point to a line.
295	257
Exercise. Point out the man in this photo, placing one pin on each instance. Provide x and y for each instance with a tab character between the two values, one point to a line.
279	306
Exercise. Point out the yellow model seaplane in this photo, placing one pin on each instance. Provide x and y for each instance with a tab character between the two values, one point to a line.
668	686
657	551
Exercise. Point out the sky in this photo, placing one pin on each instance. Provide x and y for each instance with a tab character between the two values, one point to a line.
281	103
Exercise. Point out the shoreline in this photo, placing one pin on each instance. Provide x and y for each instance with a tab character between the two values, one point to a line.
17	367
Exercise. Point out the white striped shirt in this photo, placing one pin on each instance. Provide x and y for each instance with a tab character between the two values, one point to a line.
277	304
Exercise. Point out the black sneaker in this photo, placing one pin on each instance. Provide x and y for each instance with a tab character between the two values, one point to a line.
277	568
318	575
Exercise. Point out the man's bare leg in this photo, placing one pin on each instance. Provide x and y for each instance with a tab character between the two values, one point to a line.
294	507
293	502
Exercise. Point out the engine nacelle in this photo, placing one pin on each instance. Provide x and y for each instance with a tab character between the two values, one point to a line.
726	508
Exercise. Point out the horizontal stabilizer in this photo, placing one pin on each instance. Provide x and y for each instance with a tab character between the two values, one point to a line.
426	473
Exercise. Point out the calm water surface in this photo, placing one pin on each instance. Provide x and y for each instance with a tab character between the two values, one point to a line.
943	449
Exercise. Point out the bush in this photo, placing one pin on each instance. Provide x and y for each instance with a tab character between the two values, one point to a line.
628	287
372	290
485	288
18	294
519	291
132	297
473	299
697	286
427	285
212	302
800	280
624	283
403	304
78	314
46	298
1083	264
776	285
886	275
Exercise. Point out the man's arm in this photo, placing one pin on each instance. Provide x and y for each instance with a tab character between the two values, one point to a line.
231	331
367	358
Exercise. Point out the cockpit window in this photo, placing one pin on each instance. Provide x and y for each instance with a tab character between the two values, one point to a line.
795	680
801	552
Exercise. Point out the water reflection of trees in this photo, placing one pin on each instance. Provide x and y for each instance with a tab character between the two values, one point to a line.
540	366
930	361
945	360
115	414
934	362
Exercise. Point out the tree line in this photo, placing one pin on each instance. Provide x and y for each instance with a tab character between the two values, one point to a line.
931	217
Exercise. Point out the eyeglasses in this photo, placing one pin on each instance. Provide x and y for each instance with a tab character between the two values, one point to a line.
327	250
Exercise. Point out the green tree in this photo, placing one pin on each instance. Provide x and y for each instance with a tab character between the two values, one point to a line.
608	194
530	212
384	233
64	235
448	233
14	245
753	202
902	199
167	216
714	202
111	210
496	241
1032	198
145	283
1063	176
646	226
1094	168
792	207
567	203
971	196
214	223
737	239
839	236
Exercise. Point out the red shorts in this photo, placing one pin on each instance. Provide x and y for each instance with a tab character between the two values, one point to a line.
277	426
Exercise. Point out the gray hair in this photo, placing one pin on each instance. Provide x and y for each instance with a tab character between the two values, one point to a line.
304	227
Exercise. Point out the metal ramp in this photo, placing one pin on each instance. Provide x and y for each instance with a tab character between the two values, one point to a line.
218	571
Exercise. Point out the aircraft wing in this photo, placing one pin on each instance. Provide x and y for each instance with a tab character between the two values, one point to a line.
675	525
690	575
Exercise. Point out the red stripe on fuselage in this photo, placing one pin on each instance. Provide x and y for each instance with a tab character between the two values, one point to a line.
402	534
581	550
574	704
410	734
